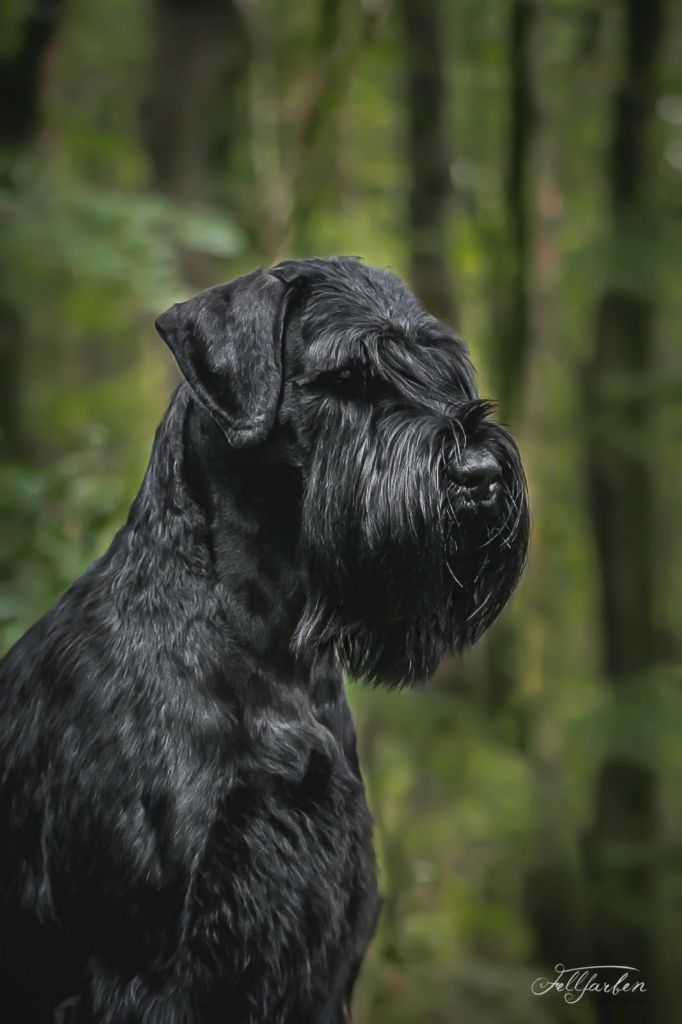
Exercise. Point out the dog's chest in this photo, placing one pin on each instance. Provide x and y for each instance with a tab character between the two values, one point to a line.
285	883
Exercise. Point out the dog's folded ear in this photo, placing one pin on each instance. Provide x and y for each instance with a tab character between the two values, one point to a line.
227	342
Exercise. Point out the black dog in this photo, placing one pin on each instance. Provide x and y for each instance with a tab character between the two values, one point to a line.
185	838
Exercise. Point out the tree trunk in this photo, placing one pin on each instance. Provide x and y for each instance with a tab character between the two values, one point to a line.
199	47
510	346
619	845
552	889
21	74
511	356
428	157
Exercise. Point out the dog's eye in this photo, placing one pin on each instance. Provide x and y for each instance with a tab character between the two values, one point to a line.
346	381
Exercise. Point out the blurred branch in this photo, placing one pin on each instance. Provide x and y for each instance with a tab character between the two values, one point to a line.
290	176
337	56
272	209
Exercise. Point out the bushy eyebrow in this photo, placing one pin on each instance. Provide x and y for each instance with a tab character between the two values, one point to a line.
437	378
416	367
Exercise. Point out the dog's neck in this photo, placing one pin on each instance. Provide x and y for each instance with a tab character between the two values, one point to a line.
237	518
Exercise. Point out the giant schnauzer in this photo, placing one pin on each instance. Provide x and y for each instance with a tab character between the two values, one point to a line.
185	838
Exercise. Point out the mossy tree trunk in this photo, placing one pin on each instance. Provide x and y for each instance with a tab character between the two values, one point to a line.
21	76
621	842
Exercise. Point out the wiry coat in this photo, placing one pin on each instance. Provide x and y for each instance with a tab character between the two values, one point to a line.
185	838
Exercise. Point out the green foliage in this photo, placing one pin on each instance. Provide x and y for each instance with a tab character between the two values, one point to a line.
103	255
56	520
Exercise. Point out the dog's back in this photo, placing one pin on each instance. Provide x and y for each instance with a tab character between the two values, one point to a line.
158	826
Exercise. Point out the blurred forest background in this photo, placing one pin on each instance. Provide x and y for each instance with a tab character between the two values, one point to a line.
519	161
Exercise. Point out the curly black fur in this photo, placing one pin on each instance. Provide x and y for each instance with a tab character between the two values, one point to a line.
185	838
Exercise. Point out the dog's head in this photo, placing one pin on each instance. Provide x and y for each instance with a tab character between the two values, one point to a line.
414	513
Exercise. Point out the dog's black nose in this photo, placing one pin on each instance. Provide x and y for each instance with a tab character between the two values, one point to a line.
476	470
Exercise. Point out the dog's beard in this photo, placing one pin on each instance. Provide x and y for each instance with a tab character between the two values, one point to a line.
400	570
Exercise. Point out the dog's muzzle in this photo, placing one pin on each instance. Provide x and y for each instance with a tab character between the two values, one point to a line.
416	528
